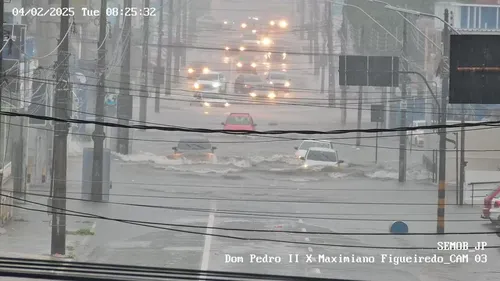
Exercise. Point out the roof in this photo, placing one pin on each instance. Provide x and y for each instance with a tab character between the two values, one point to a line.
201	139
243	114
316	141
322	149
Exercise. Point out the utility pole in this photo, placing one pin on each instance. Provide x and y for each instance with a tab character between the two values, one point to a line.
331	68
178	28
184	31
125	99
343	49
462	158
1	85
168	65
143	96
315	38
302	18
98	136
159	69
442	130
310	31
58	241
360	92
403	140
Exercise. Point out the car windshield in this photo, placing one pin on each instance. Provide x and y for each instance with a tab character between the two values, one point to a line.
212	96
238	120
308	144
324	156
277	76
200	144
253	78
209	77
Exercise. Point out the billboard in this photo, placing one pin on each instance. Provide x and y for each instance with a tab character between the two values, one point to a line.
474	69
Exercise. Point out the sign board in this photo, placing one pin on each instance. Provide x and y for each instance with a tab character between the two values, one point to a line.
16	48
377	113
376	71
111	99
474	69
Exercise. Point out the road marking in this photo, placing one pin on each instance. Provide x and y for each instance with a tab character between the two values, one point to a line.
307	239
304	230
208	241
301	221
310	249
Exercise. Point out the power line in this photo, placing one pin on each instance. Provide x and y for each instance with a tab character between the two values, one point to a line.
170	128
152	225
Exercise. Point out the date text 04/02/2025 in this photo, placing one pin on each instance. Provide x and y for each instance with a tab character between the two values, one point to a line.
338	259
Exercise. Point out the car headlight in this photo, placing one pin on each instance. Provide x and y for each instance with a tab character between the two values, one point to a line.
226	48
271	95
266	41
226	104
272	23
254	31
206	70
243	25
206	104
253	95
190	70
287	84
196	85
216	84
242	48
304	166
254	65
283	24
239	64
271	82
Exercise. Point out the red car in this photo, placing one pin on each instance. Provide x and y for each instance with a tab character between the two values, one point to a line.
488	203
239	122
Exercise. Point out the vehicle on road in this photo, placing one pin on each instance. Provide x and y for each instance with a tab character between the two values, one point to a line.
238	122
417	136
323	157
495	212
244	83
246	63
279	81
211	100
301	150
489	201
195	69
277	59
211	82
194	149
262	91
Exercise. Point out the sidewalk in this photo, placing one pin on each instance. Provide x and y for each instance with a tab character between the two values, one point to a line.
28	234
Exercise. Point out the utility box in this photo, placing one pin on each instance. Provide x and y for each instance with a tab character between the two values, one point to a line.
88	158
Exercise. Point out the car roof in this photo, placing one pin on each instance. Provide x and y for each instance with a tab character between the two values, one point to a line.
316	141
204	140
322	149
239	114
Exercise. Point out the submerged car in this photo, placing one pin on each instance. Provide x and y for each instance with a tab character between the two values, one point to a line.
239	122
195	69
324	157
262	91
194	149
301	150
211	82
244	83
279	81
212	100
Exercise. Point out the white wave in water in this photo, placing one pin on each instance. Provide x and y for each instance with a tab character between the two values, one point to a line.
147	157
201	170
413	172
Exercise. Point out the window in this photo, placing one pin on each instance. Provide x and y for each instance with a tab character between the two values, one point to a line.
239	120
308	144
253	78
324	156
277	76
194	145
209	77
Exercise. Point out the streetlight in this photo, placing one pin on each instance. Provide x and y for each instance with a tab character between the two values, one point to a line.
419	14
